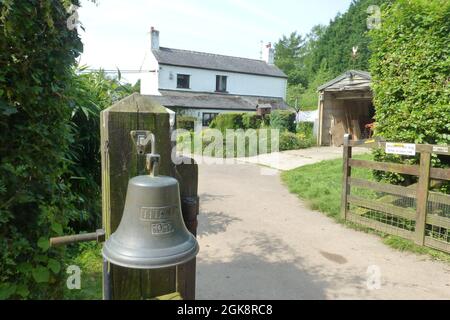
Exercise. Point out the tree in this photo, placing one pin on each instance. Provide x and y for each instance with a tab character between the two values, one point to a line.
287	57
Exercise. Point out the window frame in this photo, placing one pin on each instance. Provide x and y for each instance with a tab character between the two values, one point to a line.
214	114
188	76
219	79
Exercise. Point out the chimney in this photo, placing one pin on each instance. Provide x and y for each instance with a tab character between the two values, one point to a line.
268	53
154	35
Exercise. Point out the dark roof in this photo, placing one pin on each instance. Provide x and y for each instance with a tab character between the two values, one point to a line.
200	100
349	74
211	61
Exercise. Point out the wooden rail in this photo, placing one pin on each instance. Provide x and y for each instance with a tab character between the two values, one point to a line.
415	219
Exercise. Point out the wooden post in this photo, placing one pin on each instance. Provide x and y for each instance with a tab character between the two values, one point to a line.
422	197
187	174
120	162
347	155
320	107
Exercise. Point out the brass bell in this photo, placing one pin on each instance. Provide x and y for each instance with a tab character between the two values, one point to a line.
152	233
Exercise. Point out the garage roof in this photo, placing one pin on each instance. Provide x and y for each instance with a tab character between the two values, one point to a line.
348	81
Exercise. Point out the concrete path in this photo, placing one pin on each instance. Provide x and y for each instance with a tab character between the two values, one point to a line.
258	241
287	160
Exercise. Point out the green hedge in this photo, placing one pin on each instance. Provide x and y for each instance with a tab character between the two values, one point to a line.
37	52
294	141
186	122
224	121
410	69
305	128
251	120
282	120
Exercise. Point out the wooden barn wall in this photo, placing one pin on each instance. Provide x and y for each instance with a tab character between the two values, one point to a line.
344	111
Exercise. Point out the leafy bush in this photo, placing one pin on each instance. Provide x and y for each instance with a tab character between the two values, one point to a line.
89	93
186	122
37	52
224	121
266	121
294	141
305	128
410	67
282	120
251	120
198	142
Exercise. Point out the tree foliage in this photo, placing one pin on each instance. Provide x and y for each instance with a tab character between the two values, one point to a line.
410	69
89	93
37	52
325	53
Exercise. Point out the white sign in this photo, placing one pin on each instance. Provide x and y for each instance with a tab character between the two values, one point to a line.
440	149
406	149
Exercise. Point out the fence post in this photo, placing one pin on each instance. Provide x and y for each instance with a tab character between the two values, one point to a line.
187	174
422	197
120	162
347	170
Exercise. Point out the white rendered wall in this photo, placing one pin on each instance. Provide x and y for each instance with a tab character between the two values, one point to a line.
149	80
237	83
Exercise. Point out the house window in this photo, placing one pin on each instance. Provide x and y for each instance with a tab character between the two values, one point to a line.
183	81
207	118
221	83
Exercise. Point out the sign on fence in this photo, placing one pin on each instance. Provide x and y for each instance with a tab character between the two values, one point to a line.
406	149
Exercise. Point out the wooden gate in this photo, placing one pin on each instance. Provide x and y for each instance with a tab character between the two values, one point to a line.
416	212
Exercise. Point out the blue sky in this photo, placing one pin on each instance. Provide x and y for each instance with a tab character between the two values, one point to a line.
117	31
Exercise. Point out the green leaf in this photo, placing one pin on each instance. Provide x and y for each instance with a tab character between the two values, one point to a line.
43	243
23	291
7	290
41	274
24	267
54	265
57	228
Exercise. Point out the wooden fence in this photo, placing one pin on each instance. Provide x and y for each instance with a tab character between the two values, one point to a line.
416	212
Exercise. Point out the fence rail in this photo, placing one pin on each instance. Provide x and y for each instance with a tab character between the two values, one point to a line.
413	212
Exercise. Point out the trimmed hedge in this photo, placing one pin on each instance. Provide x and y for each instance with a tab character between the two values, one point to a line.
282	120
251	120
293	141
410	69
224	121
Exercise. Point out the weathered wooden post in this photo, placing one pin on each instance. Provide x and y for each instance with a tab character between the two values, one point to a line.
120	162
347	170
422	197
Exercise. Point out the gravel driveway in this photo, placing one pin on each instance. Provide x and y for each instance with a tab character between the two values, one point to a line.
258	241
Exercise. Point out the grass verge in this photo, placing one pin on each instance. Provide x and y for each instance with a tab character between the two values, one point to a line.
320	185
87	256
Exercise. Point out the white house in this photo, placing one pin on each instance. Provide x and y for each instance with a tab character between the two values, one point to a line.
203	85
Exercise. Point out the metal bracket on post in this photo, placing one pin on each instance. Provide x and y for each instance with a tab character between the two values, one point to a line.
141	139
